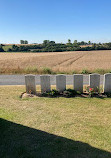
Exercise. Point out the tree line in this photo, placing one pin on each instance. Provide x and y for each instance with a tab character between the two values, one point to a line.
52	46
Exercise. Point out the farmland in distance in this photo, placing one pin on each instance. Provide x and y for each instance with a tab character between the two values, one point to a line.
66	62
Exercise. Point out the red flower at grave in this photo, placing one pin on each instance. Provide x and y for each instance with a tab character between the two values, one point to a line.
91	89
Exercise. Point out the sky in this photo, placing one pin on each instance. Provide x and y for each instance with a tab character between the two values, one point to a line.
57	20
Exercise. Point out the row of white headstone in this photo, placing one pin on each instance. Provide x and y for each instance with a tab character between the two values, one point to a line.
94	82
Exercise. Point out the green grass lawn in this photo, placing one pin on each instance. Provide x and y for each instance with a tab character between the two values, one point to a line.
53	127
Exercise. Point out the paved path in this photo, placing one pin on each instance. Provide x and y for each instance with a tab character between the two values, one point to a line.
20	79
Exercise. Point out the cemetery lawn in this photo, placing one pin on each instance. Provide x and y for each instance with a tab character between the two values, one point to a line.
53	127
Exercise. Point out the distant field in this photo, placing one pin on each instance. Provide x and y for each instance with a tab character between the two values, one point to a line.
6	47
66	62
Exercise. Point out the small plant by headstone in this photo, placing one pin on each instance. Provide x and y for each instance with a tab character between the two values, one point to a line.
99	90
44	94
90	91
108	94
52	93
69	93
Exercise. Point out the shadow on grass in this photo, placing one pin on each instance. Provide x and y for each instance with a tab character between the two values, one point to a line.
18	141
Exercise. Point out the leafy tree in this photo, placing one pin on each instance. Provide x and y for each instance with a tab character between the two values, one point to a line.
75	41
89	42
94	46
82	43
15	48
21	41
9	50
75	44
52	42
25	42
69	41
1	49
45	42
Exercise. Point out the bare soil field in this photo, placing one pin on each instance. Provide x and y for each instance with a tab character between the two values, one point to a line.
57	61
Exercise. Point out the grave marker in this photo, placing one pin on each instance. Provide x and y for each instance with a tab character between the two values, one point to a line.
94	81
107	82
30	84
45	83
61	83
78	82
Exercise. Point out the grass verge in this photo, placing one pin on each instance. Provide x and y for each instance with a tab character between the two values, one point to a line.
47	70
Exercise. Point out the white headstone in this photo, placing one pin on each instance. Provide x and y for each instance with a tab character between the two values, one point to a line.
45	83
78	82
60	83
107	82
30	84
94	81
